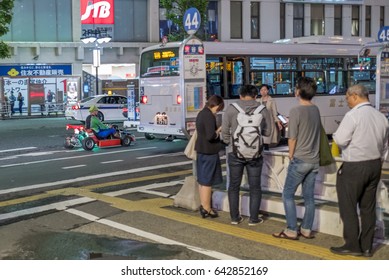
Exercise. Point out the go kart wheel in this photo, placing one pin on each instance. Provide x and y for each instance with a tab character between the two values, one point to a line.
68	143
88	144
126	141
149	136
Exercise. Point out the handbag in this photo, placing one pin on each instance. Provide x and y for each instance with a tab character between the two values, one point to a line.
325	150
190	151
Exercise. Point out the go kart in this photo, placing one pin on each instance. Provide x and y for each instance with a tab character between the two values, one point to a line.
87	139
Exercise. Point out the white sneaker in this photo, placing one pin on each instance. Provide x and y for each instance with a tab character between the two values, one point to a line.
254	223
240	219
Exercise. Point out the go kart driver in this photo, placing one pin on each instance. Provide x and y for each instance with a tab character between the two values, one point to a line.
101	130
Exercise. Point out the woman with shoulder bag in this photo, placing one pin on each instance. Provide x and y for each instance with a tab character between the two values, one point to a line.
276	127
207	147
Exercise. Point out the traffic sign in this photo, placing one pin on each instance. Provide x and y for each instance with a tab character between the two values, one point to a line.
192	20
383	34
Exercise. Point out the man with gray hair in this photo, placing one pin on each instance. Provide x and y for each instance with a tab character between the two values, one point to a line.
363	138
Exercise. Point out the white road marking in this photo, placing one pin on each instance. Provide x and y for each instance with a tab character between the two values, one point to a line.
112	161
18	149
162	155
73	157
54	206
63	205
74	166
91	177
157	238
149	235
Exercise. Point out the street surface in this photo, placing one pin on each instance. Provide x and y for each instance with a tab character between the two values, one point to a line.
117	203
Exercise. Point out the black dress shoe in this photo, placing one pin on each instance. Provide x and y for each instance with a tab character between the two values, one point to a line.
343	251
367	253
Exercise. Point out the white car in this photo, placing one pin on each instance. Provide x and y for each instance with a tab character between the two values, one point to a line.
110	108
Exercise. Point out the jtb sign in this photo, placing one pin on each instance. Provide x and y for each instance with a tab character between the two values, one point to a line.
97	12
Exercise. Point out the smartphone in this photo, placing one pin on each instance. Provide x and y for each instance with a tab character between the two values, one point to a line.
282	119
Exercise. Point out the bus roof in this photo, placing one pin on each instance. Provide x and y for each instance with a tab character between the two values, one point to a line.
161	46
311	45
327	40
282	49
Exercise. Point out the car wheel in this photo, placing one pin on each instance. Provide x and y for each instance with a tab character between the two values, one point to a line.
68	143
100	116
126	141
88	144
149	136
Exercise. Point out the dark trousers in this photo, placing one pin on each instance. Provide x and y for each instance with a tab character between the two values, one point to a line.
12	107
254	169
356	186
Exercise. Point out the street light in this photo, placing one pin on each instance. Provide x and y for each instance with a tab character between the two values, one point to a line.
97	40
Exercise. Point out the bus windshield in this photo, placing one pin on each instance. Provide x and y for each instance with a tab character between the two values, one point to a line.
158	63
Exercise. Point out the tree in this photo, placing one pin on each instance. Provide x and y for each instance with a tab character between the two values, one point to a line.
6	7
175	10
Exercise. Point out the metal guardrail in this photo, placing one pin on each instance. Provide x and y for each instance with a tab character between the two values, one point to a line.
4	110
54	108
44	109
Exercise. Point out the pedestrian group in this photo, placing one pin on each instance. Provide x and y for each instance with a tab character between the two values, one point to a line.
252	124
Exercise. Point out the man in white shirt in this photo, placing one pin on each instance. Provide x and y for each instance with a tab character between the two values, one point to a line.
363	138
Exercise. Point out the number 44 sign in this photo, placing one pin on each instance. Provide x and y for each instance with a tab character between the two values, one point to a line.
192	21
383	34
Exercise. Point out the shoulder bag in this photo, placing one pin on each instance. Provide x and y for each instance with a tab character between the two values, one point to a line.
325	150
190	151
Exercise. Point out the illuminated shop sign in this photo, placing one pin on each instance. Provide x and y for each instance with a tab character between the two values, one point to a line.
36	70
97	12
340	2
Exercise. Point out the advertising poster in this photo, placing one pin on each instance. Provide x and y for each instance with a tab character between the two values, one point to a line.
195	97
13	87
72	90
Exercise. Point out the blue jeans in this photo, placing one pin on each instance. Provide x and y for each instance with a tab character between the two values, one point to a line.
300	172
254	168
104	133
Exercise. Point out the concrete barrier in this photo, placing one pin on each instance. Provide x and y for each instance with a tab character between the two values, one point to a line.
327	219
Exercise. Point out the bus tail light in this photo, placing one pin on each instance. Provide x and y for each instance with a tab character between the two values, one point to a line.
179	99
143	99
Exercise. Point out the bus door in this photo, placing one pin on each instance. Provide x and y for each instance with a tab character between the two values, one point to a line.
235	68
215	77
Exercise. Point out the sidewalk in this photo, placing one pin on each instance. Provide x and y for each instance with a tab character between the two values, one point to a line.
17	116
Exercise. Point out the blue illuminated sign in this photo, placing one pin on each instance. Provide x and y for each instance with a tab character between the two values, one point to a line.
35	70
192	20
